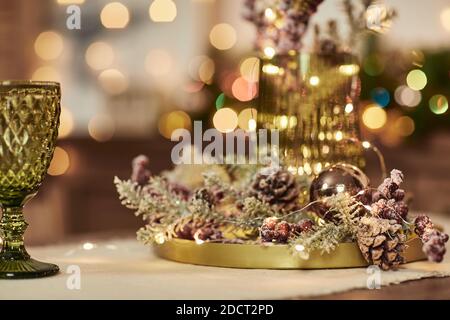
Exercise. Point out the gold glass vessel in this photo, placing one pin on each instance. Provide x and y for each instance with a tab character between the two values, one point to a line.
29	120
312	100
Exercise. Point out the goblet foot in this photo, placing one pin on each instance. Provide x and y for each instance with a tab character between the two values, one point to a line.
25	269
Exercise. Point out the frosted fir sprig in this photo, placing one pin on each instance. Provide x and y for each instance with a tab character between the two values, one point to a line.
324	238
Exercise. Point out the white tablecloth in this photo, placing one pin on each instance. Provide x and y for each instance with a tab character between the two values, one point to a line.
126	269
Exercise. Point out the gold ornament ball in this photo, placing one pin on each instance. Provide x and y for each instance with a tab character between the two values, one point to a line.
338	178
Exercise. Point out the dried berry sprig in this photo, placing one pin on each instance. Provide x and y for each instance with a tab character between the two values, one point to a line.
433	239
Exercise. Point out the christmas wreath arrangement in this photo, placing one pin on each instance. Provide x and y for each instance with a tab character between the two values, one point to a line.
242	204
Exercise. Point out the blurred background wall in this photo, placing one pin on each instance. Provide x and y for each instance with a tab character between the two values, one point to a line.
138	69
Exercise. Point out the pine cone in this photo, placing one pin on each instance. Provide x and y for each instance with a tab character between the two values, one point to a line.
179	190
140	171
203	194
390	210
273	230
381	242
211	196
203	229
208	233
278	188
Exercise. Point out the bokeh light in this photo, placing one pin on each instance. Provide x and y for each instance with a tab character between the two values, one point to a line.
101	127
374	117
66	123
249	69
407	97
438	104
113	81
270	69
162	11
445	19
380	96
60	162
194	66
247	119
225	120
171	121
48	45
220	101
404	126
416	79
223	36
46	73
206	70
158	62
115	15
99	55
243	90
349	69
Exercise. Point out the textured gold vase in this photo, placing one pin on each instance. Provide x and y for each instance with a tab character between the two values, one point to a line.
29	120
312	101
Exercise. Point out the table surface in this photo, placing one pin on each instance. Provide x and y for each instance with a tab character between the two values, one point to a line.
424	289
125	269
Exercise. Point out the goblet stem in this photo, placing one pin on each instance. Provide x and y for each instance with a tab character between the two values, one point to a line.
13	226
15	262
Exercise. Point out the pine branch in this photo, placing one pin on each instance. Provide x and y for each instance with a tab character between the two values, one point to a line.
323	238
129	193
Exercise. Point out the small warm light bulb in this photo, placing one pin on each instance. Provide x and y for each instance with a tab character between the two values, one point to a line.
300	248
348	108
366	144
270	14
314	81
159	238
269	52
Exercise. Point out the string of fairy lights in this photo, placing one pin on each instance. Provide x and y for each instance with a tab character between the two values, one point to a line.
236	85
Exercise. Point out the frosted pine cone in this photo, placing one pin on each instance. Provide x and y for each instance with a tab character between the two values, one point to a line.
278	188
140	171
273	230
390	210
381	242
433	240
201	229
391	184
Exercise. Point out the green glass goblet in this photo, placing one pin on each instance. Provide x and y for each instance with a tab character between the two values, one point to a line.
29	120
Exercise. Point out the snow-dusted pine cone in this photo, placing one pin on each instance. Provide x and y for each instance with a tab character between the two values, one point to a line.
201	229
210	196
433	240
381	242
140	170
273	230
278	188
387	201
390	210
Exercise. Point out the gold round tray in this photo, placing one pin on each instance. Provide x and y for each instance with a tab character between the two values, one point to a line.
272	256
